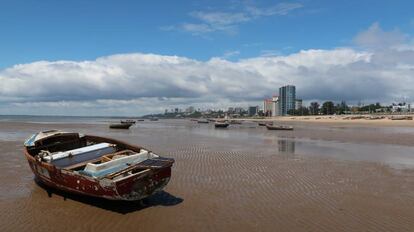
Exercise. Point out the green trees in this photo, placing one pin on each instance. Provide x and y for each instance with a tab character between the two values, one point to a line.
299	112
328	108
370	108
314	108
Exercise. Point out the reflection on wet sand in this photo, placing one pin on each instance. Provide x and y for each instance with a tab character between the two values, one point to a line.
286	146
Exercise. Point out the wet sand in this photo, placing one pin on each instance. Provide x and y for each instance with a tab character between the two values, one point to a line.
331	177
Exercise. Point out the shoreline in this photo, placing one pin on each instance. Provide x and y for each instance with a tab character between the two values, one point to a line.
338	119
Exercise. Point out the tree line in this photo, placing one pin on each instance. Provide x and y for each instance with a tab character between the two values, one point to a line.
330	108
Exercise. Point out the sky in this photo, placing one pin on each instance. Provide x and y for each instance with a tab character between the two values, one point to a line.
133	57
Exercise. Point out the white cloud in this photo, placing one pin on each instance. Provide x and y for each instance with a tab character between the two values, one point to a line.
376	38
279	9
143	83
213	21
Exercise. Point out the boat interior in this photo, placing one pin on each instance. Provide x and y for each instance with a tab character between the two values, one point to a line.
93	156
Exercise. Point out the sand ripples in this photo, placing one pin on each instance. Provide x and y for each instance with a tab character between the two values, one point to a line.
225	184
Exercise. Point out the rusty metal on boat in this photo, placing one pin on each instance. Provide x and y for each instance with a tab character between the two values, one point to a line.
96	166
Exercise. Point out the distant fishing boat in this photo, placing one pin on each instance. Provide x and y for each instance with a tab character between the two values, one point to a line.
121	125
202	121
96	166
263	123
235	122
221	124
278	127
141	120
128	121
153	119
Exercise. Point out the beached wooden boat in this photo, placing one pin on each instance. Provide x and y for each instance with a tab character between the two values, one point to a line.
278	127
96	166
235	122
221	124
202	121
121	125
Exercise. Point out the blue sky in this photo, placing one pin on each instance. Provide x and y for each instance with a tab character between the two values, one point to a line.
134	57
82	30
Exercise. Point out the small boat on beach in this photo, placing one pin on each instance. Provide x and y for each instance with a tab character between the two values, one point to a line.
96	166
121	125
202	121
221	124
278	127
238	122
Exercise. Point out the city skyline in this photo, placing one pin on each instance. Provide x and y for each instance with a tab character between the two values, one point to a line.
105	58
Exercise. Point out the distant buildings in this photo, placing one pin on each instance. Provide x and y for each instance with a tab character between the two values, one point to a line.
401	107
253	110
287	97
238	110
275	106
267	107
298	104
190	110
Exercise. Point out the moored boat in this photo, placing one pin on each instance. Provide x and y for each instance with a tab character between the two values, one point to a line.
96	166
121	125
262	123
221	124
128	121
278	127
202	121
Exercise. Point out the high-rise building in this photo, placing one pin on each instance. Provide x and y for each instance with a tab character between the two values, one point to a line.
287	96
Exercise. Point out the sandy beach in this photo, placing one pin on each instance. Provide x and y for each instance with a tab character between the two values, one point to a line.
329	175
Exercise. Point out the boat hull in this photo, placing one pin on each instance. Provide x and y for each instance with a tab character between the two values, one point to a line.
130	189
221	125
120	126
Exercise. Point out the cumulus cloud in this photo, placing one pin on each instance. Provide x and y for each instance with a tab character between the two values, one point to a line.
143	83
